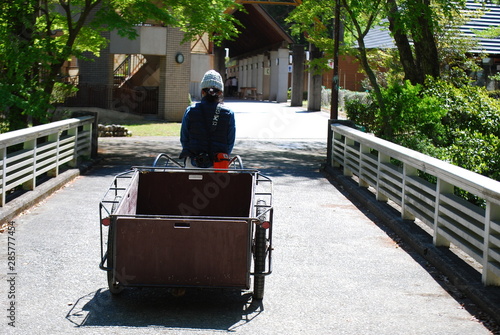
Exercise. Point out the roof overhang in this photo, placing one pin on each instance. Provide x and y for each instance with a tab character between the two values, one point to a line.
260	32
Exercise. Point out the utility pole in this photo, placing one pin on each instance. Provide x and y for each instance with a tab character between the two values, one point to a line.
334	105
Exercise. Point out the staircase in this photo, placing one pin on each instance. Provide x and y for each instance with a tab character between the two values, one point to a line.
128	68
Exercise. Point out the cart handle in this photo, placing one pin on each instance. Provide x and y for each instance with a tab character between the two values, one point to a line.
168	158
237	159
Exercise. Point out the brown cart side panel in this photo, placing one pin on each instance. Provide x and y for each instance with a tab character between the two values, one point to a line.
171	252
195	194
128	205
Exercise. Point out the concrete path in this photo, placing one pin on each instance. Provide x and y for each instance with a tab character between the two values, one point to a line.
336	269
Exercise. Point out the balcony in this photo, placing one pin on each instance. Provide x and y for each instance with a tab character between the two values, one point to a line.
151	40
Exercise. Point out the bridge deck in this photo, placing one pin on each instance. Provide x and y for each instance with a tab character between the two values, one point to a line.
337	269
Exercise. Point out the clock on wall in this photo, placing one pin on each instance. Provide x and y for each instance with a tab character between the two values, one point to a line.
179	58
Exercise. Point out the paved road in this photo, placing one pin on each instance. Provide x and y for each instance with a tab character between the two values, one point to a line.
336	270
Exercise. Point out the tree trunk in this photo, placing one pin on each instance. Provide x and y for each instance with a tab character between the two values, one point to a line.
373	81
406	57
425	44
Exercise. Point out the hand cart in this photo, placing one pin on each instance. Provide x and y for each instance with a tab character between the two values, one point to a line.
174	227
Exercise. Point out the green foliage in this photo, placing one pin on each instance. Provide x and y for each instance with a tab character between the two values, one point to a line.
386	67
469	108
472	123
62	91
360	109
476	152
494	94
21	63
408	112
460	125
38	36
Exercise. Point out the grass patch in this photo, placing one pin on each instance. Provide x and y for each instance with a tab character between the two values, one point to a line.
154	128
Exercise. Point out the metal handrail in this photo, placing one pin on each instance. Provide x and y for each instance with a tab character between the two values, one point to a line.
130	65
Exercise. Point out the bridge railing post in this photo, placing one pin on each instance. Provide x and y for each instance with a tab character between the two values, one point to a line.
4	176
408	171
491	251
382	159
442	188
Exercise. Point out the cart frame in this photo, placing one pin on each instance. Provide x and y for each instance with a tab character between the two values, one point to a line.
255	230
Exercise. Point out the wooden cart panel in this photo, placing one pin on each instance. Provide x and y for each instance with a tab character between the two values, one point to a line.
172	252
194	194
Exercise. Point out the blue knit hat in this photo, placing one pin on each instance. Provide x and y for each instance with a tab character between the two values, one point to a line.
212	79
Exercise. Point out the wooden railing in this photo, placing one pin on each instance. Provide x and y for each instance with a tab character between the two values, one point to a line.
29	153
395	173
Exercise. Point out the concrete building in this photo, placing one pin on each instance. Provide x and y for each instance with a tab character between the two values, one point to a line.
158	75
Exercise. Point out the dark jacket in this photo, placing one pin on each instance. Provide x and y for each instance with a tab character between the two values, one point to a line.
198	135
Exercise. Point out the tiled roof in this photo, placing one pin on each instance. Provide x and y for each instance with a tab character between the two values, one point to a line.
490	17
379	37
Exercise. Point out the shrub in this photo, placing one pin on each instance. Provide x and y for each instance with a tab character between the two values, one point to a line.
359	108
476	152
408	112
460	125
469	108
361	113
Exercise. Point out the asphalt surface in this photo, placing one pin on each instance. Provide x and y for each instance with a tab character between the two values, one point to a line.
337	268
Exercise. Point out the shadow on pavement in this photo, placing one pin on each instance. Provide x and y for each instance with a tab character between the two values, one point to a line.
214	309
272	157
450	271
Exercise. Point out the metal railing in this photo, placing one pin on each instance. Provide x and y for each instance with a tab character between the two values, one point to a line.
396	173
128	68
29	153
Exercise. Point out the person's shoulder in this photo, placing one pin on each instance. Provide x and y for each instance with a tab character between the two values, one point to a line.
194	105
225	109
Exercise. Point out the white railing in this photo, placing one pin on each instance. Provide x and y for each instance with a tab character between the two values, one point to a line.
394	173
28	153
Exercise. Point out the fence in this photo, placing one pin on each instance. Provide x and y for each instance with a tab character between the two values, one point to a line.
395	173
31	152
139	100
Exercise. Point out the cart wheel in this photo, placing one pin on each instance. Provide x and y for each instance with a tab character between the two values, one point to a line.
260	262
260	252
114	286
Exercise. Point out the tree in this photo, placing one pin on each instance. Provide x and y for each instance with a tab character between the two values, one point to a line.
415	26
38	36
313	19
363	16
18	69
417	22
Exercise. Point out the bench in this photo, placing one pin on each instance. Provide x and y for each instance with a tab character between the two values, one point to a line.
245	90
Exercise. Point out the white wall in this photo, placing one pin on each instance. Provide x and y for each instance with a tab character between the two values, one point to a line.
200	63
150	41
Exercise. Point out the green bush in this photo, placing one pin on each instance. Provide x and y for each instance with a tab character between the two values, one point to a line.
469	108
494	94
476	152
460	125
359	108
360	113
408	113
